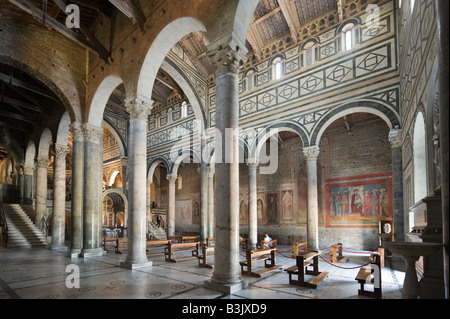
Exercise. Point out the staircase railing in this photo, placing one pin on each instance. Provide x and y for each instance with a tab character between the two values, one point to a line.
3	224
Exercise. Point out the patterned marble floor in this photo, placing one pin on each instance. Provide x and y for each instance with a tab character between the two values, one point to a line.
43	274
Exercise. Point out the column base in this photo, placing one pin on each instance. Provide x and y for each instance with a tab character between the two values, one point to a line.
96	252
136	265
59	248
74	253
226	288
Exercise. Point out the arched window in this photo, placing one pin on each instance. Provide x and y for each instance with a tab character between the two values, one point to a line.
277	68
419	158
309	54
347	37
249	79
184	109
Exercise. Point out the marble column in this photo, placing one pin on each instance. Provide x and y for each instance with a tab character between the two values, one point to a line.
20	183
442	7
92	210
211	213
311	154
41	189
226	274
125	162
252	204
395	138
59	198
139	111
28	171
171	210
203	196
76	220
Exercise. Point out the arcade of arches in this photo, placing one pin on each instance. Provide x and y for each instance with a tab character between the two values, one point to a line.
319	120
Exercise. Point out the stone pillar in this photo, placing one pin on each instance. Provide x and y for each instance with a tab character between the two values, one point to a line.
442	7
76	220
211	214
125	162
20	183
92	210
203	195
395	138
226	275
171	210
137	184
252	204
28	171
41	189
311	154
59	198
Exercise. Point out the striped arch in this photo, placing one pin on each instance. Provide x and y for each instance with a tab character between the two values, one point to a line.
153	164
182	156
378	108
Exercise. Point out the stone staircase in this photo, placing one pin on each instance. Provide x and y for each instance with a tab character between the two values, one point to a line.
158	233
22	233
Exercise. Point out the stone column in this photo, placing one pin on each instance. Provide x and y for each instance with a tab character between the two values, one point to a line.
203	195
443	54
171	210
311	154
137	184
125	162
211	214
76	220
252	204
226	275
41	189
395	138
28	171
92	210
59	198
20	183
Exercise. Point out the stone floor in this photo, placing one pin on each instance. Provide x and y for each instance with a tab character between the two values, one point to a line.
42	274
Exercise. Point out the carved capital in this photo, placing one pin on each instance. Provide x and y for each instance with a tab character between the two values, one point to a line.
91	134
252	164
395	138
41	162
61	151
138	108
77	132
172	178
227	58
311	153
20	169
28	169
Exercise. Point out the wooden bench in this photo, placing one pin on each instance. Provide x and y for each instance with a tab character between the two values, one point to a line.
190	239
268	244
335	256
121	245
298	249
202	259
301	269
364	277
109	243
174	248
253	256
175	239
156	244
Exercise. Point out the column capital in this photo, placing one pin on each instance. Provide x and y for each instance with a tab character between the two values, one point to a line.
395	137
28	169
211	171
61	151
227	57
172	178
41	161
311	153
77	132
138	108
252	164
91	133
20	169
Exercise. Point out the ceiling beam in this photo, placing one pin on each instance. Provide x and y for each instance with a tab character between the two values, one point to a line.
290	14
16	117
24	85
14	127
100	6
16	103
132	11
59	27
168	84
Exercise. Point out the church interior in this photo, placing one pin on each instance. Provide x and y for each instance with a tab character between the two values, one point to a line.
155	149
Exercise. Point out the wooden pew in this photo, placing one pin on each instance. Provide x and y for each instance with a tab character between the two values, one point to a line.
268	244
364	277
202	259
156	244
190	239
109	243
301	269
253	256
174	248
335	256
298	249
175	239
121	245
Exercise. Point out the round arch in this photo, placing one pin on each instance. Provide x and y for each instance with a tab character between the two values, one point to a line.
44	143
124	199
183	156
153	164
161	46
117	137
377	108
101	97
30	153
62	135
